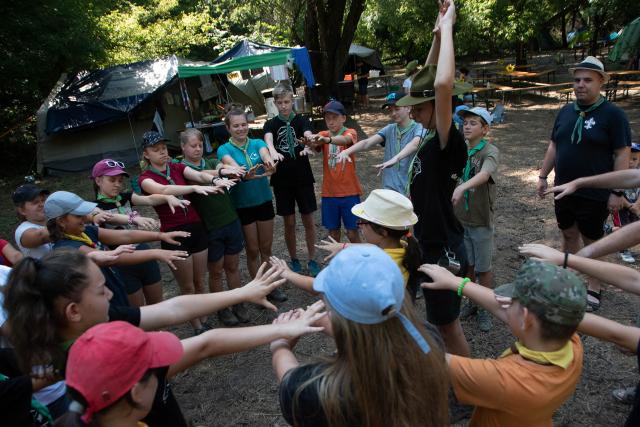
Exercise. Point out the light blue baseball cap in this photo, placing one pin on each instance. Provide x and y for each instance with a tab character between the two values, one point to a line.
363	284
64	202
477	111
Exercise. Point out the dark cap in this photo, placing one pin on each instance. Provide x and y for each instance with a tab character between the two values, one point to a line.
553	293
635	147
152	138
392	98
26	193
335	107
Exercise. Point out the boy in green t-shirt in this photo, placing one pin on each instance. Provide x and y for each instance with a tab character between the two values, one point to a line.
473	202
221	221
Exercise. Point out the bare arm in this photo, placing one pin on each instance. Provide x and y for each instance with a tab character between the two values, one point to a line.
364	145
445	74
609	330
12	254
547	166
303	282
34	237
477	180
152	187
624	238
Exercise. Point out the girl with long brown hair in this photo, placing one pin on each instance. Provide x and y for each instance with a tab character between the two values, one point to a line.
386	370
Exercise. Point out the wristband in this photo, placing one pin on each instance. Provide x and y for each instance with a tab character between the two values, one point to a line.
461	285
617	193
344	245
566	260
544	178
132	215
330	140
220	174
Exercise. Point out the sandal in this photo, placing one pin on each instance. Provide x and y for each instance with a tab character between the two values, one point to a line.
593	300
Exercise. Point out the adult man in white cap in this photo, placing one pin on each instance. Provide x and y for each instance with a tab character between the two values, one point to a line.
590	136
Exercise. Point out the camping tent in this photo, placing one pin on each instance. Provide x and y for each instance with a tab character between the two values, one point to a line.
628	44
246	48
369	56
71	122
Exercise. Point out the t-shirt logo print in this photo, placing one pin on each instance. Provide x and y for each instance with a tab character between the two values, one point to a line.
588	124
417	167
283	144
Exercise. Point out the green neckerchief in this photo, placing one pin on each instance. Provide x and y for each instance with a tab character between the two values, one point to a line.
466	174
577	128
291	138
400	133
193	166
166	175
41	409
244	149
334	149
423	140
116	201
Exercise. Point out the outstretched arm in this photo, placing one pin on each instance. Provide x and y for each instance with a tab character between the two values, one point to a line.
621	239
628	178
610	330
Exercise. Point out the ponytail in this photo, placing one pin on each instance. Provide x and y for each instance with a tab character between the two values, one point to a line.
413	255
30	297
55	232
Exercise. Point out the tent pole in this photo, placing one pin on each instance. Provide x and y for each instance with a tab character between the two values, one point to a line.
133	136
187	100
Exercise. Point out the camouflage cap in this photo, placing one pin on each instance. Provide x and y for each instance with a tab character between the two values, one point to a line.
551	292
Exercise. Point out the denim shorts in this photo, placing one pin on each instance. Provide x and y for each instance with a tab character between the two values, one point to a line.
335	209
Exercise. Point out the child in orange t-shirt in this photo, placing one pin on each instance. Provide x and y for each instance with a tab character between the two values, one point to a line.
543	307
340	186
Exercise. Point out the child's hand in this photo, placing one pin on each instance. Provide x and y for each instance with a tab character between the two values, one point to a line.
447	13
561	190
277	157
101	217
174	203
145	223
442	278
265	282
171	236
300	322
457	196
281	265
307	151
224	183
540	252
343	157
205	190
330	245
170	256
382	166
505	302
232	172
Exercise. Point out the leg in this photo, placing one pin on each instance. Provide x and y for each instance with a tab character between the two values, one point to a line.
265	239
232	270
153	293
454	339
593	284
136	299
309	234
184	276
290	235
349	220
335	234
215	275
353	236
199	272
250	232
571	239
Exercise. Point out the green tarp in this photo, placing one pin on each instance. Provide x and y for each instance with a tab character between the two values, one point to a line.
628	43
270	59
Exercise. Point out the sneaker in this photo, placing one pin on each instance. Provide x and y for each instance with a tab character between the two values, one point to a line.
625	395
608	229
277	295
313	268
468	310
241	312
484	320
295	265
227	318
627	257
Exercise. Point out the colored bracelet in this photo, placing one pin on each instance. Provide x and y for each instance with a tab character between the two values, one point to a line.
461	285
132	215
566	260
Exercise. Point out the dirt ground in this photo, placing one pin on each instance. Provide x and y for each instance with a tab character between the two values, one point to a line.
240	389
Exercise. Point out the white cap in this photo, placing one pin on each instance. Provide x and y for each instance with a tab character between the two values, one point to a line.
477	111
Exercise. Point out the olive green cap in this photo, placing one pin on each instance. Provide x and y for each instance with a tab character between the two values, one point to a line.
422	88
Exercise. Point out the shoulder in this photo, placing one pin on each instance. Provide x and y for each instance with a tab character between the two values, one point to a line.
386	129
351	133
418	129
179	167
491	150
613	110
211	163
3	243
126	196
257	143
92	231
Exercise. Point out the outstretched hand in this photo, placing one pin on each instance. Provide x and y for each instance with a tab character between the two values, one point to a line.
300	322
442	278
382	166
174	203
561	190
540	252
330	245
265	282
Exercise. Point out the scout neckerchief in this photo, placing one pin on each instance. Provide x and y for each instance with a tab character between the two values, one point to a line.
194	166
466	174
561	358
423	140
577	128
400	133
116	201
82	238
244	150
289	134
167	175
334	149
40	411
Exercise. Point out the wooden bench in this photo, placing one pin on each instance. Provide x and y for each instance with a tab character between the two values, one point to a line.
566	93
626	85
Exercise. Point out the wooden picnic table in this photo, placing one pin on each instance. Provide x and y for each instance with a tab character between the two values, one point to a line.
616	74
519	75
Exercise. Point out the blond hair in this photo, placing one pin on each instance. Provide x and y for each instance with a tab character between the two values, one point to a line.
380	377
281	90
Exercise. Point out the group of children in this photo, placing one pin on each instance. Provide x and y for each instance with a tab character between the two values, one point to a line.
85	287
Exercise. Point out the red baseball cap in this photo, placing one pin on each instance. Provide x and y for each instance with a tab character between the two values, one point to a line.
108	167
110	358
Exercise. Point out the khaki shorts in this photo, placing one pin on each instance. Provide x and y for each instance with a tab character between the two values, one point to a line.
478	242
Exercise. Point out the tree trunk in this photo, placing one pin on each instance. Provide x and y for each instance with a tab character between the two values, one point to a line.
593	44
563	25
329	31
521	53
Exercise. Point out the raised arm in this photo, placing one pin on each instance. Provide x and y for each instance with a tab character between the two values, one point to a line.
445	73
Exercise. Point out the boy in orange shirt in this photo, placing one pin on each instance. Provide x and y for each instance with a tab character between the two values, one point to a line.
340	186
543	308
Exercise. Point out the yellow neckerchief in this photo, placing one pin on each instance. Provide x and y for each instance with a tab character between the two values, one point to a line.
397	254
83	238
561	358
141	424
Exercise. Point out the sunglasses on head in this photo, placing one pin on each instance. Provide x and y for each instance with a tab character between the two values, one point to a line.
114	164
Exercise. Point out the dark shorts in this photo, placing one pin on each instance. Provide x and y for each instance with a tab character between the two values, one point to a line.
362	86
263	212
443	307
136	276
193	244
589	215
287	197
226	240
335	209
